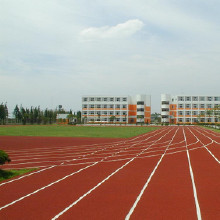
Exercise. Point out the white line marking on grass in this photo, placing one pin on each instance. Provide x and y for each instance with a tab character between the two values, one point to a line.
148	181
193	181
100	183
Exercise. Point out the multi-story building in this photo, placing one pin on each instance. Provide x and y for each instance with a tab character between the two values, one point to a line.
117	109
189	109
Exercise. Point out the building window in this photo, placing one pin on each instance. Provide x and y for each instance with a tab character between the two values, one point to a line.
188	113
104	106
117	106
209	98
92	113
118	99
201	98
117	119
195	98
180	106
92	99
165	103
111	106
124	119
111	99
188	98
85	99
188	119
124	99
85	113
195	113
124	113
195	106
105	99
180	112
180	98
140	110
111	112
117	113
209	105
188	105
91	106
98	99
140	103
202	105
124	106
84	106
180	119
216	98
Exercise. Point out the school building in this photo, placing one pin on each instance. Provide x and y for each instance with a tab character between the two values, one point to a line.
189	109
116	109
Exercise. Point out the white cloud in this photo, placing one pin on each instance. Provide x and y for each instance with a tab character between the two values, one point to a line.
122	30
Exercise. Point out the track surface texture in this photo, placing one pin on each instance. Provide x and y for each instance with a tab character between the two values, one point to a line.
171	173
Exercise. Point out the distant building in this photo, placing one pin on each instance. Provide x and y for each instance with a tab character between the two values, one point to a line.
189	109
116	109
65	119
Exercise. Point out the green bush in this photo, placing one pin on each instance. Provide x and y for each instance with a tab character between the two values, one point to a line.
4	157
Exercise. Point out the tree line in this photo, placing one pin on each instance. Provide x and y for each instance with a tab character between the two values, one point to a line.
34	115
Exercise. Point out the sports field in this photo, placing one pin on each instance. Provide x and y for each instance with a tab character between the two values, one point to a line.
74	131
170	173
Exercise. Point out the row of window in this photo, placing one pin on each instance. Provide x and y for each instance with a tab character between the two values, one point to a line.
198	98
105	99
192	113
104	113
202	105
198	120
107	119
104	106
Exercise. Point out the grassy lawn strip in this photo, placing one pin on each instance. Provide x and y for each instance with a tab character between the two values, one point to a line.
74	131
213	129
7	174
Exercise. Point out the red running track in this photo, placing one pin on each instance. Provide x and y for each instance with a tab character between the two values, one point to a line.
171	173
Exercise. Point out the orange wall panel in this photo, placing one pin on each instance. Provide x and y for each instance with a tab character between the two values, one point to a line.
132	113
173	107
132	107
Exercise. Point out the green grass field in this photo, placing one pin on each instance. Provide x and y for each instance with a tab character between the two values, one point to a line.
73	131
8	174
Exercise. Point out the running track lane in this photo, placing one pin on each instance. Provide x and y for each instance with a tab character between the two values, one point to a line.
207	178
42	204
113	199
207	191
169	195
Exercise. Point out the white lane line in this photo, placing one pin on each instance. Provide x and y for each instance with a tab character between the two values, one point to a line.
30	174
100	183
148	181
59	180
212	141
42	188
199	217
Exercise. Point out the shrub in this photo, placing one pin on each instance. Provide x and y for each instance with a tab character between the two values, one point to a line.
4	157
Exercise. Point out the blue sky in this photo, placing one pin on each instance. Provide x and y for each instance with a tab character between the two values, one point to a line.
53	52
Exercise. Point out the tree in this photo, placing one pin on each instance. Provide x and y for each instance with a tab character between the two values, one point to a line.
209	113
3	113
4	157
112	118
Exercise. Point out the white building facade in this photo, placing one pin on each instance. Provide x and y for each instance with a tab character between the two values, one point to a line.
117	109
189	109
